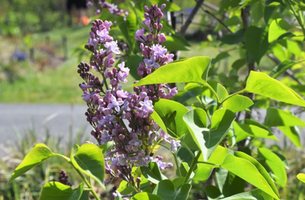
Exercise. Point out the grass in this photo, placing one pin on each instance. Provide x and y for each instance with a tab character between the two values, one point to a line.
28	186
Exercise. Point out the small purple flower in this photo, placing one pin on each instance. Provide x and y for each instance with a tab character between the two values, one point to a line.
175	145
115	104
151	63
113	47
112	7
93	43
140	35
104	34
135	142
123	73
107	118
107	25
158	50
89	4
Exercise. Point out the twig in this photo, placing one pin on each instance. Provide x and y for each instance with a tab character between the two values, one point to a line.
190	18
288	72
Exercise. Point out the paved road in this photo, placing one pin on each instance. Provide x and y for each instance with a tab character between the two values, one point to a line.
58	119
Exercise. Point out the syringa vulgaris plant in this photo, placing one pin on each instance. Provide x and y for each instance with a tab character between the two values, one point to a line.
205	140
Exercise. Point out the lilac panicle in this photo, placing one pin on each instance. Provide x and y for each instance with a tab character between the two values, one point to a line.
116	115
155	55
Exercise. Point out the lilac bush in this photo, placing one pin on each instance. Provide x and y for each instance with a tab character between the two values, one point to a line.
129	127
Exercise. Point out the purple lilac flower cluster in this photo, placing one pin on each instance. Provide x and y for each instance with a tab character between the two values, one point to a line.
113	9
116	115
155	55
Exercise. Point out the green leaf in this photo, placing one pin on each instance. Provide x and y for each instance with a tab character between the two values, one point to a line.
262	84
281	68
133	63
242	131
89	159
202	173
152	173
212	192
250	173
106	147
278	117
166	190
169	5
257	11
190	70
277	28
128	28
171	113
294	48
227	5
56	190
301	177
255	194
239	64
145	196
37	155
158	120
268	12
85	195
256	40
173	43
221	56
293	134
218	88
271	161
237	103
208	139
279	52
259	167
218	155
229	183
234	38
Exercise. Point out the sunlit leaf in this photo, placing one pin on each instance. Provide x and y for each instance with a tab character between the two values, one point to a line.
301	177
237	103
89	159
262	84
271	161
279	117
190	70
250	173
36	156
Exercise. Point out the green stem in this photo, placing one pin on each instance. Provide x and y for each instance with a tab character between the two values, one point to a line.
86	182
192	167
215	93
105	82
177	163
231	95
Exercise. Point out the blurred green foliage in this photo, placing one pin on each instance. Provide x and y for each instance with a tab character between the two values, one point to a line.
22	16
